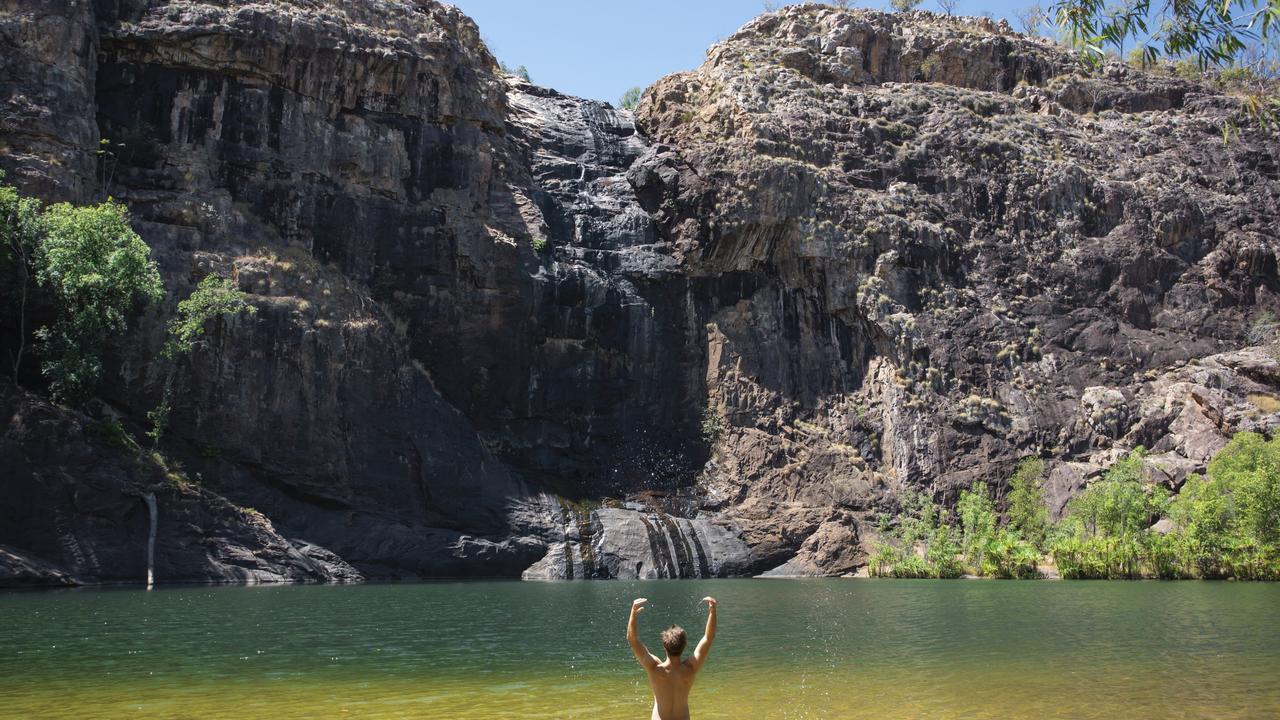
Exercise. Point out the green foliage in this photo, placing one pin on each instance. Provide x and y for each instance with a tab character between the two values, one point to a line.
113	431
519	71
919	522
538	243
1213	32
977	524
711	425
942	554
1009	556
1118	505
1262	329
1105	531
631	98
214	297
19	241
159	415
1028	514
1099	558
1225	525
1246	474
97	270
904	5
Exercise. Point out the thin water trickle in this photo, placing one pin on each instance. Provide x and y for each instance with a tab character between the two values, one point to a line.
786	649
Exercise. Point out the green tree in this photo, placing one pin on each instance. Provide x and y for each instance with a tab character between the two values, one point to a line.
942	553
1247	473
631	98
1212	31
1028	514
19	240
904	5
1118	505
98	271
977	523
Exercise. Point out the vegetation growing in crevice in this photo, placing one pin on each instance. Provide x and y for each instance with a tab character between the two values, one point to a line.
631	98
214	298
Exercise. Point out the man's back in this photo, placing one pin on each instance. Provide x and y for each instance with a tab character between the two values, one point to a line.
671	679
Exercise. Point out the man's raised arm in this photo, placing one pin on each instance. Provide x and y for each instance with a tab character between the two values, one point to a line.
633	636
704	645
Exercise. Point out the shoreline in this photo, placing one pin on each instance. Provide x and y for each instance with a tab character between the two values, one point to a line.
141	585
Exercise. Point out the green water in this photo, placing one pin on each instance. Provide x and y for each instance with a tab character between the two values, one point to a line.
786	649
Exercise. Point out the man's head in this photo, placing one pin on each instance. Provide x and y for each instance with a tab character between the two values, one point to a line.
674	640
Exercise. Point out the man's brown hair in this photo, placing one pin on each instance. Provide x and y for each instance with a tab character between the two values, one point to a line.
674	640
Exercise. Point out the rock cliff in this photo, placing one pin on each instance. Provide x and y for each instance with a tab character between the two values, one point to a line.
503	331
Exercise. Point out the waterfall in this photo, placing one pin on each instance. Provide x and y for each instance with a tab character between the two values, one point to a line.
150	499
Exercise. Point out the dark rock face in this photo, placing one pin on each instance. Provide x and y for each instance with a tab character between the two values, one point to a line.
72	501
850	254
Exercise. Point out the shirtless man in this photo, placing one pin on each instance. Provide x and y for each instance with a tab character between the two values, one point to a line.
671	679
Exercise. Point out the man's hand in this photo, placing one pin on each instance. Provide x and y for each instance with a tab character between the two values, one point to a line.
710	601
637	605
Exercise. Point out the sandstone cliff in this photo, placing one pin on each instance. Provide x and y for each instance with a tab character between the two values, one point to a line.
505	331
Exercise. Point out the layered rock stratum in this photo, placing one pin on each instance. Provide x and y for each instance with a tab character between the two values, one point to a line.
506	332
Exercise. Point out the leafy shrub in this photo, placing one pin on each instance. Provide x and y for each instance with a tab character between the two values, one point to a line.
712	426
977	524
631	98
519	71
1028	514
1262	329
942	554
1247	472
214	297
1118	505
98	270
911	567
1011	557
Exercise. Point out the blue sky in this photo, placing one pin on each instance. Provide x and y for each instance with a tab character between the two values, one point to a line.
599	48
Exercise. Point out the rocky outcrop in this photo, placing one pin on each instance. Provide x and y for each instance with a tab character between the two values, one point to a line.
503	331
957	260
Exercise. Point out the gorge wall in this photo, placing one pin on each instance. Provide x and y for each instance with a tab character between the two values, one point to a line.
504	332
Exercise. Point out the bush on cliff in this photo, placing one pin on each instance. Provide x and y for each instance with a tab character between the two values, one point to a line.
91	268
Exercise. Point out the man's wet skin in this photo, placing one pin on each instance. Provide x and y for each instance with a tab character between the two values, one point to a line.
672	678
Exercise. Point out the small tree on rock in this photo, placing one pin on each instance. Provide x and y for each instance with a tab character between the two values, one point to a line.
631	98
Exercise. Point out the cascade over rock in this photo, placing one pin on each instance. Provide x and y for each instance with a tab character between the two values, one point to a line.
506	332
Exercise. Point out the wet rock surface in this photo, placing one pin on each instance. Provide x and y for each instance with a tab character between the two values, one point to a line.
504	331
639	542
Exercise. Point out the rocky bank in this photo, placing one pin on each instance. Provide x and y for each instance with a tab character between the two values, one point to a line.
506	332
